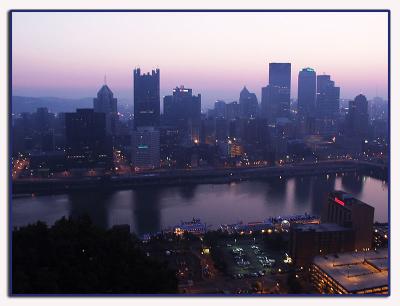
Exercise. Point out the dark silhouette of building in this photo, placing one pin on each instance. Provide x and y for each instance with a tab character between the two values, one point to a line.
232	110
248	104
327	98
279	75
270	106
306	92
358	118
86	140
220	109
146	98
106	103
183	110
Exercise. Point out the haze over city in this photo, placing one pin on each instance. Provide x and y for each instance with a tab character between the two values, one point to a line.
216	54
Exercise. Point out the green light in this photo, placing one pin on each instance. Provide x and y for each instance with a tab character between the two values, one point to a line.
143	147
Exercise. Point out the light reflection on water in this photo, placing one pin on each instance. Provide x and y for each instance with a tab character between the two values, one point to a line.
150	209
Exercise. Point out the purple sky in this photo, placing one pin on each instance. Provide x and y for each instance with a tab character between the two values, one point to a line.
215	54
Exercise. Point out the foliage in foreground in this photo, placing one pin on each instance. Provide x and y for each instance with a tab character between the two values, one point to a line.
74	256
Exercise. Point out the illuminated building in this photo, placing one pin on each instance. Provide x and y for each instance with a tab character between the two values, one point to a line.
345	210
351	273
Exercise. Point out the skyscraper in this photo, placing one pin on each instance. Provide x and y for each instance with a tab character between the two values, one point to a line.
358	118
306	92
327	98
86	139
248	104
106	103
146	148
183	110
279	75
146	98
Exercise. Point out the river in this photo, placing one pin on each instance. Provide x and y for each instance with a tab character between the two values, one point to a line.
149	209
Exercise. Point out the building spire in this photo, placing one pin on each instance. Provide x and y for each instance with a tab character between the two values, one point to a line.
105	79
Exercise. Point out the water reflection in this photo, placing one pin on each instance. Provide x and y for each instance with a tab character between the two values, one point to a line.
146	209
150	209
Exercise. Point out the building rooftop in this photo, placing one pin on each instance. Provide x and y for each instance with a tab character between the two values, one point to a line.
356	271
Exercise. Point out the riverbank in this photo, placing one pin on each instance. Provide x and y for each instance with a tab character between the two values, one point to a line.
22	187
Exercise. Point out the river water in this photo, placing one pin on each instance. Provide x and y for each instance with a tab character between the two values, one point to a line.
149	209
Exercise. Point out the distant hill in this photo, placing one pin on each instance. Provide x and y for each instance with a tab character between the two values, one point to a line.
54	105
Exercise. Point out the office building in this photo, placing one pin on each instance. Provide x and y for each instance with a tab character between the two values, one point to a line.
87	144
328	96
280	76
183	110
106	103
220	109
351	273
146	98
358	118
306	92
146	148
248	104
310	240
232	110
345	210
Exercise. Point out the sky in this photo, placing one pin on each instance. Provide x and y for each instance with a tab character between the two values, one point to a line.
67	55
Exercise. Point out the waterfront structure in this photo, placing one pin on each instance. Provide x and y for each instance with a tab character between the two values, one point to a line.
106	103
146	98
248	104
345	210
87	144
146	148
183	110
351	273
306	92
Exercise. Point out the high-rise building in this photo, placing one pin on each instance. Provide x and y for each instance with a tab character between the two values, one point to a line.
232	110
328	95
146	98
248	104
306	93
270	106
220	109
345	210
146	148
86	139
106	103
358	118
183	110
279	75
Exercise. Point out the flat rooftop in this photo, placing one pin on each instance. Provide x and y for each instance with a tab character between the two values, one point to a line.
356	270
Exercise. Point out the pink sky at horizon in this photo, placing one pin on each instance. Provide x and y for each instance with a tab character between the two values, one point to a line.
215	54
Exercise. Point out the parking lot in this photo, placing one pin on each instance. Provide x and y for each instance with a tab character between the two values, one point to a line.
248	257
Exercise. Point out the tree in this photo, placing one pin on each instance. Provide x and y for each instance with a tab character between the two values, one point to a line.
74	256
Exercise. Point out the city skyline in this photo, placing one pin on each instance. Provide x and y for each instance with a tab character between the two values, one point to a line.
208	71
